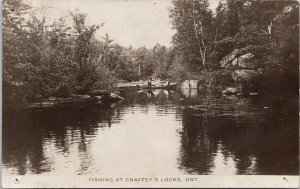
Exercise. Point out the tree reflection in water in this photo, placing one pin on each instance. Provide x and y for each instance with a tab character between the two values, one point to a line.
240	137
235	135
28	138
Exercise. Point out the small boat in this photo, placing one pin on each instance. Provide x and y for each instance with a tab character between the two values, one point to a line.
171	86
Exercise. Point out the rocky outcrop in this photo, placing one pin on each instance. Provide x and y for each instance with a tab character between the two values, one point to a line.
244	67
239	57
190	84
245	61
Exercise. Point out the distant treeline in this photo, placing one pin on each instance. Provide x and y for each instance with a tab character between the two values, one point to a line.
42	60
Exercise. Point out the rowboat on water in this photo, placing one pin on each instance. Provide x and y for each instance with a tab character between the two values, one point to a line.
170	86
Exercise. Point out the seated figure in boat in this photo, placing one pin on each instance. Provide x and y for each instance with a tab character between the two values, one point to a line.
149	82
167	82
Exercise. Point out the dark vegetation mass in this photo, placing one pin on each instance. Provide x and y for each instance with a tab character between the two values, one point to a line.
251	45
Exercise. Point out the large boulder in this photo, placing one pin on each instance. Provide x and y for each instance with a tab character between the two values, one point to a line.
244	68
244	61
226	61
190	84
193	84
233	58
185	84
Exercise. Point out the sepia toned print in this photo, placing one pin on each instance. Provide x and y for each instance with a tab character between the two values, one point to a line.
152	93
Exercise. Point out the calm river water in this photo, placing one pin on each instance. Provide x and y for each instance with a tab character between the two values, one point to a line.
157	133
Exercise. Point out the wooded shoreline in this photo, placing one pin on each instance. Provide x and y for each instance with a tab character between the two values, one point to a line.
244	47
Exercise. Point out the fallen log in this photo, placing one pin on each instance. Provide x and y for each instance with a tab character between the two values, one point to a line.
75	101
64	103
79	96
98	93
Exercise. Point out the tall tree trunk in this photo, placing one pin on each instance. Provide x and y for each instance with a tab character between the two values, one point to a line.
215	39
202	50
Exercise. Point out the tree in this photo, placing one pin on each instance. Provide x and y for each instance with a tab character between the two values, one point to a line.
160	57
83	35
42	60
14	38
268	30
193	22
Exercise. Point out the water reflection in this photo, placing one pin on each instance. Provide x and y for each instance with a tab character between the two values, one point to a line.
157	132
35	142
238	136
190	94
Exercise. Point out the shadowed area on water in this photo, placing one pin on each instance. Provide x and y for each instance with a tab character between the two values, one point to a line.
157	132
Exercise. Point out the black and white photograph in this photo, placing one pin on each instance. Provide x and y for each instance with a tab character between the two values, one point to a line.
150	93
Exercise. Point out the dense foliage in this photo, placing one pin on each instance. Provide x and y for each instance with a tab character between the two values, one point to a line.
266	30
42	59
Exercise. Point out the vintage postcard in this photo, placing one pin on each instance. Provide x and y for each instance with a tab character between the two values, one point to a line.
150	93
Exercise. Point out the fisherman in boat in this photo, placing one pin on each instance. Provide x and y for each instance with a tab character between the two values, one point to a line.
149	82
167	82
